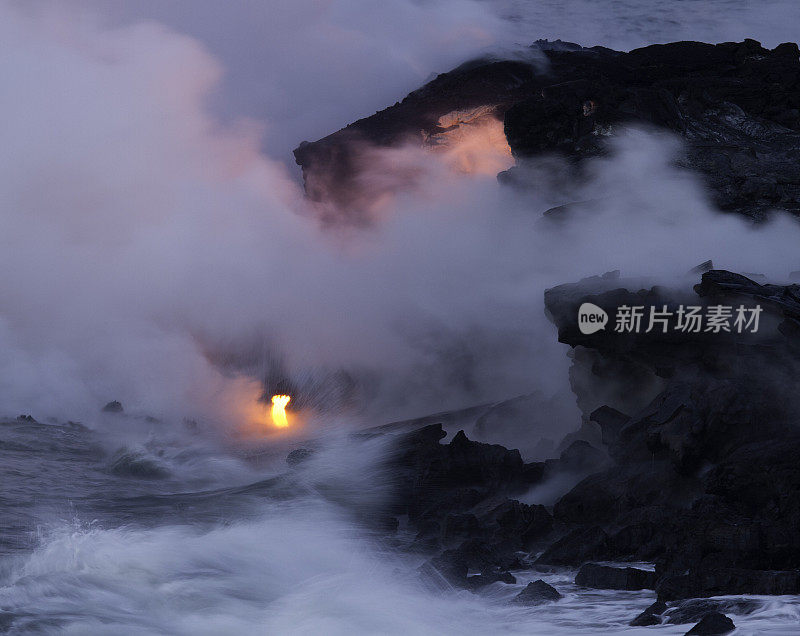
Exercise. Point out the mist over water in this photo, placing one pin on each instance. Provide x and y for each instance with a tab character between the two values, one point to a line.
133	557
157	249
148	233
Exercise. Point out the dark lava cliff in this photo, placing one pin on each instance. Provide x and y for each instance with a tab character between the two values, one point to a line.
703	480
736	105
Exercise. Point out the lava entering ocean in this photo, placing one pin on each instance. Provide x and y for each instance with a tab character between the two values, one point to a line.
278	412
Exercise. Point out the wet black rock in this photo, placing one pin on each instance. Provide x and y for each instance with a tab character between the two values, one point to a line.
612	578
26	418
650	616
464	487
658	608
536	593
488	577
713	624
645	619
578	546
450	565
483	555
517	523
491	560
113	407
713	580
693	610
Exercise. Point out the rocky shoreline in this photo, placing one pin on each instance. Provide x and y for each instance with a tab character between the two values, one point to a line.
689	442
703	481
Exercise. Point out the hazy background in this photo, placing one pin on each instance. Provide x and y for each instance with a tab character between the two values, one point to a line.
152	219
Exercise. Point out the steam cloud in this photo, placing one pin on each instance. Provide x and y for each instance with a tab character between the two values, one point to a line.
155	252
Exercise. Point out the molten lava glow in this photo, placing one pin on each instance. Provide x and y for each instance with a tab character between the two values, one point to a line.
473	142
279	403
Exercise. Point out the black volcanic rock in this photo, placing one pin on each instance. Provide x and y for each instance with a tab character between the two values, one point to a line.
611	422
483	555
645	619
705	479
713	581
491	560
736	105
439	479
474	463
650	616
579	546
579	456
693	610
517	523
331	165
454	528
705	93
451	566
713	624
702	478
536	593
488	577
456	498
611	578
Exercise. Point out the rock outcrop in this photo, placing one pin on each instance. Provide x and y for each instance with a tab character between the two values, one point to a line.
714	624
703	480
536	593
605	577
459	498
735	104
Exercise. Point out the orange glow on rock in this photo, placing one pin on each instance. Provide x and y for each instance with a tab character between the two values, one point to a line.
472	142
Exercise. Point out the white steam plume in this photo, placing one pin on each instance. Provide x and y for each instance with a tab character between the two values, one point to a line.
140	232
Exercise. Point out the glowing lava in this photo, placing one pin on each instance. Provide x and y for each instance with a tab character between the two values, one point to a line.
279	403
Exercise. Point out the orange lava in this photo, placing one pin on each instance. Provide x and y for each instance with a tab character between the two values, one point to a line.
278	411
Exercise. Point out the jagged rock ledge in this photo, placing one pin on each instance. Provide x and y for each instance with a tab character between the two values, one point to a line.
736	105
703	480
